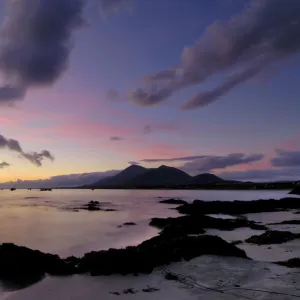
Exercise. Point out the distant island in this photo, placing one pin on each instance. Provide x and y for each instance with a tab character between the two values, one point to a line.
164	177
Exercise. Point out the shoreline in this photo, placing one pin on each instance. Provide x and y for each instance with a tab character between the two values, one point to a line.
181	238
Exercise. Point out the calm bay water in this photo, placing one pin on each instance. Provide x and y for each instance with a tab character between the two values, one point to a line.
47	221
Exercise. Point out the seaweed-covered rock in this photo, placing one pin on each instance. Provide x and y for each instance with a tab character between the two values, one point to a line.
239	207
236	243
295	191
160	250
19	264
287	222
194	224
291	263
273	237
173	201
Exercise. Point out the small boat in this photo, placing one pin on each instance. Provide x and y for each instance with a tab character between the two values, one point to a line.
13	189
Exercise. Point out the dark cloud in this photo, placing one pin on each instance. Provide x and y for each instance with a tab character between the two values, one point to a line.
113	95
208	163
35	158
281	174
264	33
70	180
37	40
147	129
4	165
116	138
135	163
205	98
10	93
286	159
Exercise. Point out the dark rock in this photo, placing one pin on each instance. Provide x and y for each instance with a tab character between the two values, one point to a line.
129	224
236	243
150	290
239	207
295	191
297	212
173	201
130	291
194	224
171	276
272	237
20	263
291	263
158	251
115	293
288	222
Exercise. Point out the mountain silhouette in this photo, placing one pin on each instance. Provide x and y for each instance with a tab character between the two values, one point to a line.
164	176
122	178
205	178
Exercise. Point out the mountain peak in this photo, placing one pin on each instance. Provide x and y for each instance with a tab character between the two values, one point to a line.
132	167
164	167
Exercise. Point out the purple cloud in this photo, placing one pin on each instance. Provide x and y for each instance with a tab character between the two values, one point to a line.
35	158
286	159
265	32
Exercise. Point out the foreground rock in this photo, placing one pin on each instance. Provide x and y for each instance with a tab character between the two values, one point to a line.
295	191
161	250
195	224
19	263
239	207
288	222
173	201
94	206
291	263
273	237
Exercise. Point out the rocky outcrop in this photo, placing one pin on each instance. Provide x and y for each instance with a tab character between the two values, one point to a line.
173	201
94	206
287	222
239	207
291	263
273	237
195	224
20	263
295	191
160	250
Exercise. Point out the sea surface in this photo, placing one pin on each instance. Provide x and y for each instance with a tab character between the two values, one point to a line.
50	221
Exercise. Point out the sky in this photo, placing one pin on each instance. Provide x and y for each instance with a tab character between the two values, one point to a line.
88	87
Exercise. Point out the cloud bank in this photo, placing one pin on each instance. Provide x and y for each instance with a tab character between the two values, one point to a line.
35	158
286	159
71	180
205	163
266	32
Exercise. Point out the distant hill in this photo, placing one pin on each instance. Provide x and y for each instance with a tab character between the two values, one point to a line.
121	178
205	178
164	176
